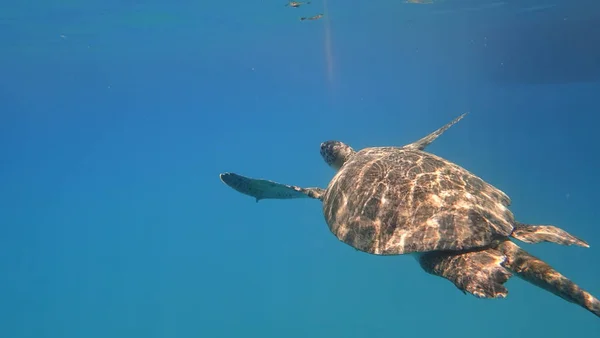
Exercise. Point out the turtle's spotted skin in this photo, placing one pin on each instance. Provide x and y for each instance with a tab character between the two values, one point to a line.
392	201
401	200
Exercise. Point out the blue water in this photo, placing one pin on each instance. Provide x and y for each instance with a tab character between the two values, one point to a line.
117	117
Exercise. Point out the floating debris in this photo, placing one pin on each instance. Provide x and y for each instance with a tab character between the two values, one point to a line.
316	17
420	2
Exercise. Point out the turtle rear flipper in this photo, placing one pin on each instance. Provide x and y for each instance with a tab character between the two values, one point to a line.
545	233
264	189
539	273
479	273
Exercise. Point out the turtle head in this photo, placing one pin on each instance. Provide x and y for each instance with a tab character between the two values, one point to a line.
336	153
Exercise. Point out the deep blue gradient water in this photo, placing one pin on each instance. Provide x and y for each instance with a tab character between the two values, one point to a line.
117	117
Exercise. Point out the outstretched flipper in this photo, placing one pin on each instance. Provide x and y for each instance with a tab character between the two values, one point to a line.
479	273
264	189
425	141
539	273
545	233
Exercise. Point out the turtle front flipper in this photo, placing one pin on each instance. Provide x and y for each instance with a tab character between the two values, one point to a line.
425	141
545	233
264	189
479	273
539	273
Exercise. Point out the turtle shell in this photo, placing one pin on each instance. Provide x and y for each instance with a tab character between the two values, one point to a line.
390	200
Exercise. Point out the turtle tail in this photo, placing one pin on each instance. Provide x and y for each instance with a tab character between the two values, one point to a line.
539	273
545	233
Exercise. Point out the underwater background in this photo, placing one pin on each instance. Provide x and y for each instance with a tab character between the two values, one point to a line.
116	118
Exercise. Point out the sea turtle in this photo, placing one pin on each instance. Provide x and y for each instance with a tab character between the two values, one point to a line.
403	200
296	4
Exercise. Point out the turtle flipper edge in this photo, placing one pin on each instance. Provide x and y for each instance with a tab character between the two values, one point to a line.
427	140
532	234
264	189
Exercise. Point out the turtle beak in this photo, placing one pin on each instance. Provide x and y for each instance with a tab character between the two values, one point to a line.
323	151
323	147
